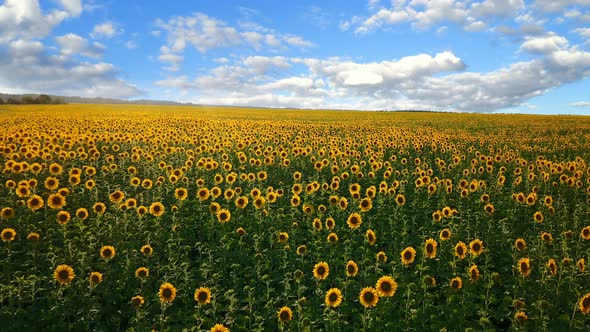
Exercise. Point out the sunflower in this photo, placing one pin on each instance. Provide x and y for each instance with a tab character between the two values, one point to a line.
95	278
437	216
408	255
581	264
301	250
63	217
332	238
317	224
141	210
107	252
460	250
473	273
241	202
219	328
538	217
8	234
343	203
476	247
223	216
116	196
524	267
56	201
369	297
142	273
283	237
33	236
521	317
284	314
99	208
35	202
489	208
351	269
365	204
63	274
8	213
400	199
147	250
381	257
203	194
546	237
330	223
51	183
203	295
333	297
584	304
585	233
354	220
552	266
430	248
386	286
167	293
137	301
429	281
445	234
520	244
456	283
23	192
321	270
90	184
157	209
371	237
82	213
259	202
181	193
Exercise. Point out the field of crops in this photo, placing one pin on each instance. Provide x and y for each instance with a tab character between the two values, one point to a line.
140	218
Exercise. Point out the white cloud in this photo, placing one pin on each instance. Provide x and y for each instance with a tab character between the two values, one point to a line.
205	33
74	7
496	8
544	44
24	19
30	68
580	104
104	30
558	5
72	44
173	59
433	82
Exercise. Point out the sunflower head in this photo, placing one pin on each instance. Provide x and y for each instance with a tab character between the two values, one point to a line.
351	269
107	252
386	286
203	295
430	248
223	216
142	273
371	237
524	267
408	255
476	247
369	297
456	283
354	220
147	250
167	293
95	278
284	315
321	270
584	304
445	234
63	274
283	237
333	297
520	244
137	301
8	234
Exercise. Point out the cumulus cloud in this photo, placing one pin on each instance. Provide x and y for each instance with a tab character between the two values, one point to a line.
544	44
435	82
33	69
24	19
104	30
205	33
471	15
73	7
72	44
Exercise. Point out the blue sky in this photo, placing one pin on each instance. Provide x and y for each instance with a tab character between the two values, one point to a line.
477	56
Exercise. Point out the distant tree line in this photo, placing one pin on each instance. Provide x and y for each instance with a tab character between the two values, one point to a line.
40	99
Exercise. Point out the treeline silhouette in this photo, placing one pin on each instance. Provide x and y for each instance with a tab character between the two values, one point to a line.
36	100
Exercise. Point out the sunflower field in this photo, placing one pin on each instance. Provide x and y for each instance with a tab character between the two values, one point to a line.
145	218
